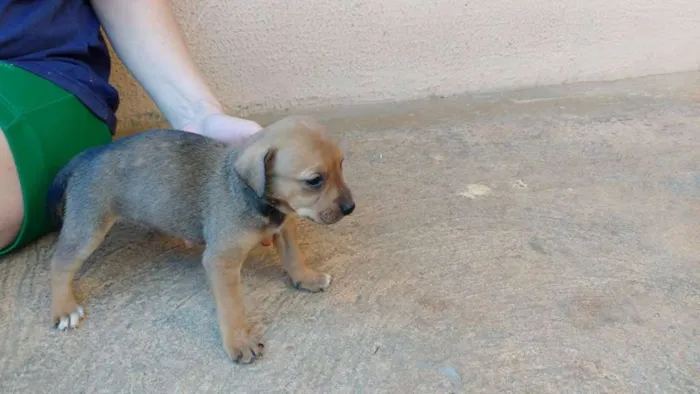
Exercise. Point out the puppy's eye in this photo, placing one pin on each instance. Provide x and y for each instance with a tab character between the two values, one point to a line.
315	182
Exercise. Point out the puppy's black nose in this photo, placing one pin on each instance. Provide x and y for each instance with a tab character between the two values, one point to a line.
347	208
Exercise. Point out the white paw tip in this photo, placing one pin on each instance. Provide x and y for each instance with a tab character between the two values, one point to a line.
72	320
327	280
63	323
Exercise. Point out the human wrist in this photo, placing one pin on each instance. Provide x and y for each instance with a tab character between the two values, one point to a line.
188	115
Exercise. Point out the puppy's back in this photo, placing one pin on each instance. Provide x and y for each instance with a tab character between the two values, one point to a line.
155	177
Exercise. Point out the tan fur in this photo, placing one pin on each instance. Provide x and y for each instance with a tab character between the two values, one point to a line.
103	187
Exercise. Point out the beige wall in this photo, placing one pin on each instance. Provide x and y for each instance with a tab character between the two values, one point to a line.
266	55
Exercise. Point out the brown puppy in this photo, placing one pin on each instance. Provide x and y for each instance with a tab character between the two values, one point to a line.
203	191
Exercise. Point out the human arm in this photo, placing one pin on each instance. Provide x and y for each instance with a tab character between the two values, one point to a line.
150	43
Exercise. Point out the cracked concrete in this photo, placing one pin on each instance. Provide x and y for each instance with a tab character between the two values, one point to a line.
542	240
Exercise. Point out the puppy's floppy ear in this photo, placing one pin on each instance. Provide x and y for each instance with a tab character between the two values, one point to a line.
253	166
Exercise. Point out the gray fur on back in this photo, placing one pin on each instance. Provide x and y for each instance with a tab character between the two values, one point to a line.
177	182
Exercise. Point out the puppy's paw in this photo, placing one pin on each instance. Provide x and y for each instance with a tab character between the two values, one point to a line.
312	281
244	348
69	320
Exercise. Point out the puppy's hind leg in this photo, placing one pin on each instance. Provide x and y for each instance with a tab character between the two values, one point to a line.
302	276
83	231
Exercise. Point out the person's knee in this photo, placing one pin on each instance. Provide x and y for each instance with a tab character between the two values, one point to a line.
11	203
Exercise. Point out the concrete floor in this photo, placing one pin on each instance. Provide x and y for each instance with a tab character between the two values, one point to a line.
543	241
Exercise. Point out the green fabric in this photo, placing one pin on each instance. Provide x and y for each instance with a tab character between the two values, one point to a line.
45	127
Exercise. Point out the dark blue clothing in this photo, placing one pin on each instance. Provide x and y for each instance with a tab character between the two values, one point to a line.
71	52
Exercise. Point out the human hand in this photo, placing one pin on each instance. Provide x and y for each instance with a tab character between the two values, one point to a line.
224	127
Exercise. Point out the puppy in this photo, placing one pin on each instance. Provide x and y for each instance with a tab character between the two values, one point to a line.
229	198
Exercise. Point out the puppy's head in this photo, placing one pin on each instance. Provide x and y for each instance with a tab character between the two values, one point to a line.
294	162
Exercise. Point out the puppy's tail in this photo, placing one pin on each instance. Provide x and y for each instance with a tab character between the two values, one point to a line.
55	199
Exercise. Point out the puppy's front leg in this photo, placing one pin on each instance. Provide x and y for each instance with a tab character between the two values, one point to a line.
302	276
224	273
